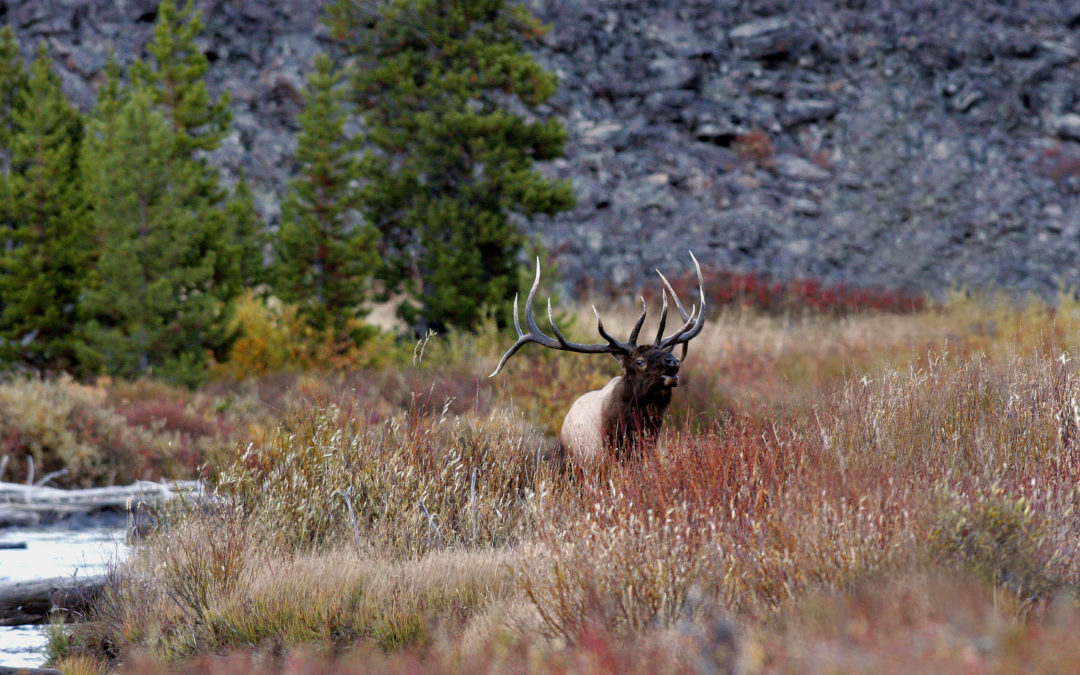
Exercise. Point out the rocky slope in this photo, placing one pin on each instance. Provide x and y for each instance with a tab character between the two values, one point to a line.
908	143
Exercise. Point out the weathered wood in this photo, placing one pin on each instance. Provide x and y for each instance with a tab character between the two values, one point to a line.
34	504
31	601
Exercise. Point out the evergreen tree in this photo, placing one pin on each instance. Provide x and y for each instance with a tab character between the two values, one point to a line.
174	248
111	95
325	254
148	300
13	81
45	249
175	77
242	253
177	81
449	163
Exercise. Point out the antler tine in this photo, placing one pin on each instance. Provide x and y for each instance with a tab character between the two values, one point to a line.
615	344
695	321
529	318
559	341
678	306
673	339
522	340
517	323
674	295
663	318
555	328
639	324
534	334
509	352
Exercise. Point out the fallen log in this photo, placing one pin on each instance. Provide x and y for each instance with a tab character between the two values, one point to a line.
33	600
36	504
17	670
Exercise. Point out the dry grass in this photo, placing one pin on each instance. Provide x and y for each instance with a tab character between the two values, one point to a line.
888	493
109	433
331	600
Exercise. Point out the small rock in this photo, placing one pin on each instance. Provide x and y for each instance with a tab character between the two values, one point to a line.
966	99
1067	126
713	132
806	207
601	132
753	30
850	180
798	247
673	73
770	38
803	111
797	168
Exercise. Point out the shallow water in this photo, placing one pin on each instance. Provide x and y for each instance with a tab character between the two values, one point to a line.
53	551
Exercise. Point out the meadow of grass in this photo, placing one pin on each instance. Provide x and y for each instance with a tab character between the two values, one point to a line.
834	492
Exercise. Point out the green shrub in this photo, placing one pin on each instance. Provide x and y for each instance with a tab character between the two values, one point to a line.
1003	540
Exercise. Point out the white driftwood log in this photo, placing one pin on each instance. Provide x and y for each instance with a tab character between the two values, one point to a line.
31	601
31	504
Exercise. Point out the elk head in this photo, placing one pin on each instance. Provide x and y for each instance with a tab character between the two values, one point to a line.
624	418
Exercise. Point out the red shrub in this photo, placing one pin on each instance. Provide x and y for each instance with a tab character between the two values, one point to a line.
749	289
736	469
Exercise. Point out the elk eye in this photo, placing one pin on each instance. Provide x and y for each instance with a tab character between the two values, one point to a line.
641	363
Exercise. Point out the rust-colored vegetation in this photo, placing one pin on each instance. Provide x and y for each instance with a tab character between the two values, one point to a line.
834	492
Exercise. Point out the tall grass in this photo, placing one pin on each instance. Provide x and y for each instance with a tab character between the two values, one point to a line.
830	490
419	481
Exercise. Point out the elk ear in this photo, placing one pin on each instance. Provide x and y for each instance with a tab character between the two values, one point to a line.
623	359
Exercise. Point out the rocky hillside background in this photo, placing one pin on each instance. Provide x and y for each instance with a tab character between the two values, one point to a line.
908	144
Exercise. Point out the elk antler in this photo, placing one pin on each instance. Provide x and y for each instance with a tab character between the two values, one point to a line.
694	322
693	325
538	336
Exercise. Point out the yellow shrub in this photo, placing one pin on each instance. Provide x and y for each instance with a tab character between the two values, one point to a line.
274	336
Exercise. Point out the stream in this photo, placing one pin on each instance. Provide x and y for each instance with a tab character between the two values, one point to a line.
84	546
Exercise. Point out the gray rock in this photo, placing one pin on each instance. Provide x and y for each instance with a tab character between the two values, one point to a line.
799	169
952	145
802	111
673	73
806	207
773	37
1068	126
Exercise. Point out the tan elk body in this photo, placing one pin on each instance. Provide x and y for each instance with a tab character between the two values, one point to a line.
623	419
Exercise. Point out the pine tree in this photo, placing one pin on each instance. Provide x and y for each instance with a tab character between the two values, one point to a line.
174	248
449	163
177	81
148	299
325	255
242	253
45	251
13	81
175	77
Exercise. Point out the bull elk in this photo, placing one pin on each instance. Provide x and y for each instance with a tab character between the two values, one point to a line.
623	419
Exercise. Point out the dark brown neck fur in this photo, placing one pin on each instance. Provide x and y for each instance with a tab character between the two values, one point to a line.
634	414
632	422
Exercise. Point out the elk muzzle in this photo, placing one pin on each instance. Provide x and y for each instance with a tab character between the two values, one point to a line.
671	370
